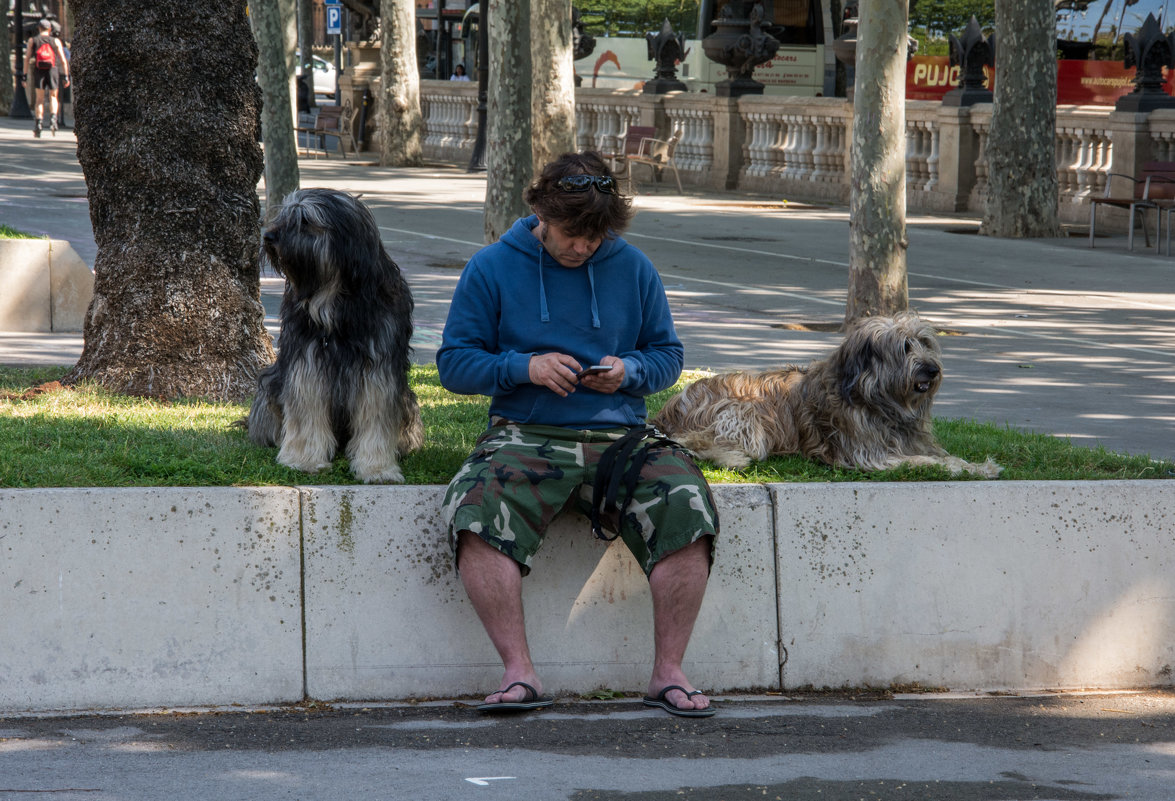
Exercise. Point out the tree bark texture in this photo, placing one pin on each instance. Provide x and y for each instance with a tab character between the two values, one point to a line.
509	165
1021	147
553	91
877	194
7	78
274	26
167	138
402	121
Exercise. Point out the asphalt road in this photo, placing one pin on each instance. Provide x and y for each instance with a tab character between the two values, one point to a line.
814	748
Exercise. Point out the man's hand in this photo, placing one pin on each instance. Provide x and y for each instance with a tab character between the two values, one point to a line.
555	371
608	382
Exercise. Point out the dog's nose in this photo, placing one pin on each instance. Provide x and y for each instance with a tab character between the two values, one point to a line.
931	370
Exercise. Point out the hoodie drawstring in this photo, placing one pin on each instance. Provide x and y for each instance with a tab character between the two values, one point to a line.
544	312
595	306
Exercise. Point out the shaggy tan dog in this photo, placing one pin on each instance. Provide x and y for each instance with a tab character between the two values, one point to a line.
866	406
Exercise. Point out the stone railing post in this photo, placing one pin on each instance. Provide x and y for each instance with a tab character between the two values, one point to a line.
957	150
1130	145
729	132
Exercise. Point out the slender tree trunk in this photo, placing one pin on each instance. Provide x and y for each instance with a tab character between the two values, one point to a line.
553	92
7	78
171	177
402	122
877	195
509	165
306	47
1021	148
274	25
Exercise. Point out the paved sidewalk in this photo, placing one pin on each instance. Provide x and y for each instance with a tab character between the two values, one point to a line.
1044	335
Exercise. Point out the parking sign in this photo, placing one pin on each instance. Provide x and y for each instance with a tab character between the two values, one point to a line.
334	19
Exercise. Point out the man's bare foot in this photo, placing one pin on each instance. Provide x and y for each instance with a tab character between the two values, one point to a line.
515	697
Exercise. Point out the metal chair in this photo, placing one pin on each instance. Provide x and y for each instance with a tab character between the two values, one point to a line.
657	154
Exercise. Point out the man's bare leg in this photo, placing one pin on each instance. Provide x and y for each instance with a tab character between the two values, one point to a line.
678	584
493	583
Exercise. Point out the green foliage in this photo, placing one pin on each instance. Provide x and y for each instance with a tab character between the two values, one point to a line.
940	17
637	17
88	437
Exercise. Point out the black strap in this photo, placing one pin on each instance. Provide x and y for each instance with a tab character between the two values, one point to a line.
635	446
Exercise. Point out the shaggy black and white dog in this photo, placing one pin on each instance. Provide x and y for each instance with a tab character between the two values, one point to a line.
341	375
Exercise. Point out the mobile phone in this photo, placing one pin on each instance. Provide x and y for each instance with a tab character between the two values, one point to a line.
595	368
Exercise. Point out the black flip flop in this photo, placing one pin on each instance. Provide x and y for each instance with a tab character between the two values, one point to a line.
663	702
532	700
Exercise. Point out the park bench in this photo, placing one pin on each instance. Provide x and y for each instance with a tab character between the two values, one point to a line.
1153	188
328	122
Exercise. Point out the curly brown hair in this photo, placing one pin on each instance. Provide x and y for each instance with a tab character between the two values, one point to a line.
591	213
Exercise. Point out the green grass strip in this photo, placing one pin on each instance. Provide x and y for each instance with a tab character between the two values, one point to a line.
7	232
89	437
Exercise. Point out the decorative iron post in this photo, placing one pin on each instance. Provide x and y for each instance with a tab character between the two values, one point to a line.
1149	51
971	55
740	44
666	48
582	42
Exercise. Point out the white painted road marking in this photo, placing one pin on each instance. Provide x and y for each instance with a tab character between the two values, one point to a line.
484	781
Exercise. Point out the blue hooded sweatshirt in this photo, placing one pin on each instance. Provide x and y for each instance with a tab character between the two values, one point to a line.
514	301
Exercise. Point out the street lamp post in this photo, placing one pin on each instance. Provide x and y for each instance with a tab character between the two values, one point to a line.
477	160
20	103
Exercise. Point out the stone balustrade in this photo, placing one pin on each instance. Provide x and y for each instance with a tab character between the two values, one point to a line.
798	147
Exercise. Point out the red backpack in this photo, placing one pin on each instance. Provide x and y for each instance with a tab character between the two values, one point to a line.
46	56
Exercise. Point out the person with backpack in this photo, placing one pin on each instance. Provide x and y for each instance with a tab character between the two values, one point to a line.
45	61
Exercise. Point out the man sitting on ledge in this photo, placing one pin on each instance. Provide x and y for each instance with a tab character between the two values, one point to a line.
561	292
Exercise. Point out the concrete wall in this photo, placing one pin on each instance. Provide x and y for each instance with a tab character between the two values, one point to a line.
44	286
210	596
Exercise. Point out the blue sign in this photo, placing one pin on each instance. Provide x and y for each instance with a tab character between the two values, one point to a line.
334	19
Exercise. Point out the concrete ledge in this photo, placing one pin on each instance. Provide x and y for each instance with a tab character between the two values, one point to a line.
212	596
992	585
149	597
44	286
386	616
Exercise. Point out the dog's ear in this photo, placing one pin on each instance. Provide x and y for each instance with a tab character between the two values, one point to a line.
854	362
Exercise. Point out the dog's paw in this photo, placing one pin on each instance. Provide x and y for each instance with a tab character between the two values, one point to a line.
303	464
388	475
730	459
989	469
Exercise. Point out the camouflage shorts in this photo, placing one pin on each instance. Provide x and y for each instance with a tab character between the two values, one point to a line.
519	478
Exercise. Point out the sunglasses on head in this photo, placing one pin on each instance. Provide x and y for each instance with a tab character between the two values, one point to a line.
581	183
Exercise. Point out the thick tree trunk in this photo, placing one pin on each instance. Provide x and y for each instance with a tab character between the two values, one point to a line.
877	195
1021	148
401	119
274	26
509	167
553	93
171	176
